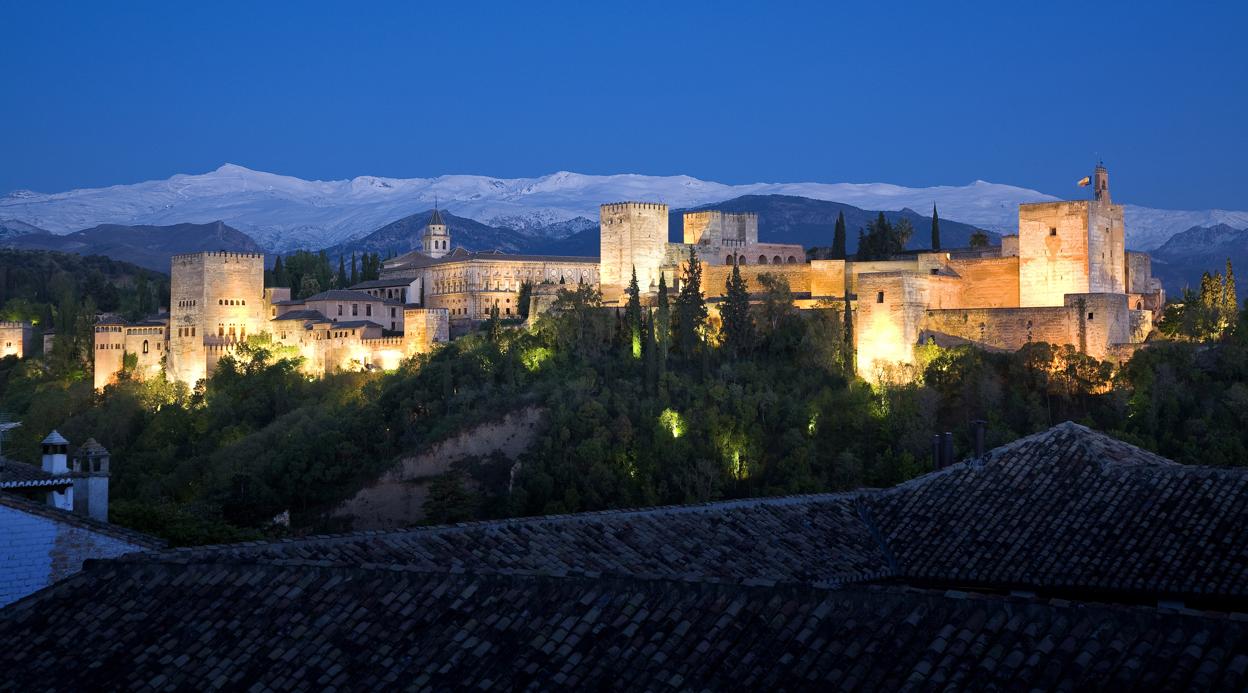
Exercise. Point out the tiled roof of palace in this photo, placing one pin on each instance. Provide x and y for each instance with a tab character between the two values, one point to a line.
342	295
830	590
418	259
306	314
382	283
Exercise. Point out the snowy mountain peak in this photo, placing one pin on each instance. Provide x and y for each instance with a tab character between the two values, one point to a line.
284	212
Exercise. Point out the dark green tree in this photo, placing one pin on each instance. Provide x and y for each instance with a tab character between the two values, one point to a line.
738	328
342	278
979	239
935	229
662	328
883	239
278	276
838	237
355	272
690	307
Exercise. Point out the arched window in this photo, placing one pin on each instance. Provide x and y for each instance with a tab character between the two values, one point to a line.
792	260
144	346
776	260
740	260
728	260
762	259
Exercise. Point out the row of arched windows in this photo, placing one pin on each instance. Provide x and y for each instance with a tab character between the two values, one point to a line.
231	302
762	260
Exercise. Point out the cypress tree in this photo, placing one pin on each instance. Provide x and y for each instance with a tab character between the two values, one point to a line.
735	311
355	274
838	237
632	316
690	307
342	273
279	273
663	328
935	228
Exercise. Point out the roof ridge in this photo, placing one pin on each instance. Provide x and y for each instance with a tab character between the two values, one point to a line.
589	516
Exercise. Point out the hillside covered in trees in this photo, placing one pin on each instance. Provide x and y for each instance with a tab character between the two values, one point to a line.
645	405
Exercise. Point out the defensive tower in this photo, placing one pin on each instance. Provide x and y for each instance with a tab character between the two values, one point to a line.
632	235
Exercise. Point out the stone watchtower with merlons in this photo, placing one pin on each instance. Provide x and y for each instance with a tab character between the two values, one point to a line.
436	240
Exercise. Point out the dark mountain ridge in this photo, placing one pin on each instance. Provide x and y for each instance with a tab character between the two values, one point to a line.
1180	261
146	246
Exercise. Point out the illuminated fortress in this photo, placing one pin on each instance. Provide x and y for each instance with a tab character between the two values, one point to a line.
1064	278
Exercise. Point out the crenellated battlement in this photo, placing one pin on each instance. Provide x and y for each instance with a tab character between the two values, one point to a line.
625	206
218	253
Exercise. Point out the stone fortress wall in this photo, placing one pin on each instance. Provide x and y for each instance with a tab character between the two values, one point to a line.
216	298
633	235
14	339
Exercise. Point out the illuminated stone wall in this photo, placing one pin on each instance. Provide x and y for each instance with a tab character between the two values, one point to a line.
827	278
1107	262
890	306
109	345
632	235
215	298
14	339
147	343
425	327
988	282
715	277
1053	252
1092	323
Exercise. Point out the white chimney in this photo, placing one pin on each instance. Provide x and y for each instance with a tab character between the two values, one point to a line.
55	454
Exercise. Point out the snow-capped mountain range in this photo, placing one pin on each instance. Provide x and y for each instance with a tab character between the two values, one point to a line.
283	212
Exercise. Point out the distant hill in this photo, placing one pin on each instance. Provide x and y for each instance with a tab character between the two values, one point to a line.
809	223
11	228
1181	260
146	246
403	235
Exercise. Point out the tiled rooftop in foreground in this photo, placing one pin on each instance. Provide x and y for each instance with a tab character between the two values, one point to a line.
1065	559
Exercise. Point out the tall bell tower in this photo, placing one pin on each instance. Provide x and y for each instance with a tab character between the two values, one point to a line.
436	241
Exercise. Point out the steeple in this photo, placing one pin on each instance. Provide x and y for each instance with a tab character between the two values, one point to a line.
436	241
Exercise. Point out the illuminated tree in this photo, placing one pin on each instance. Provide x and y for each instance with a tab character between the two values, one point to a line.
632	317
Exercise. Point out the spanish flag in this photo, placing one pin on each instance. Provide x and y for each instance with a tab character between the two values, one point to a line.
1085	181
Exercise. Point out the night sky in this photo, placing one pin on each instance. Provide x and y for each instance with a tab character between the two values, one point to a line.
95	94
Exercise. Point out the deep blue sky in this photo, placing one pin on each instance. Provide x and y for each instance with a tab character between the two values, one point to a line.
940	93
